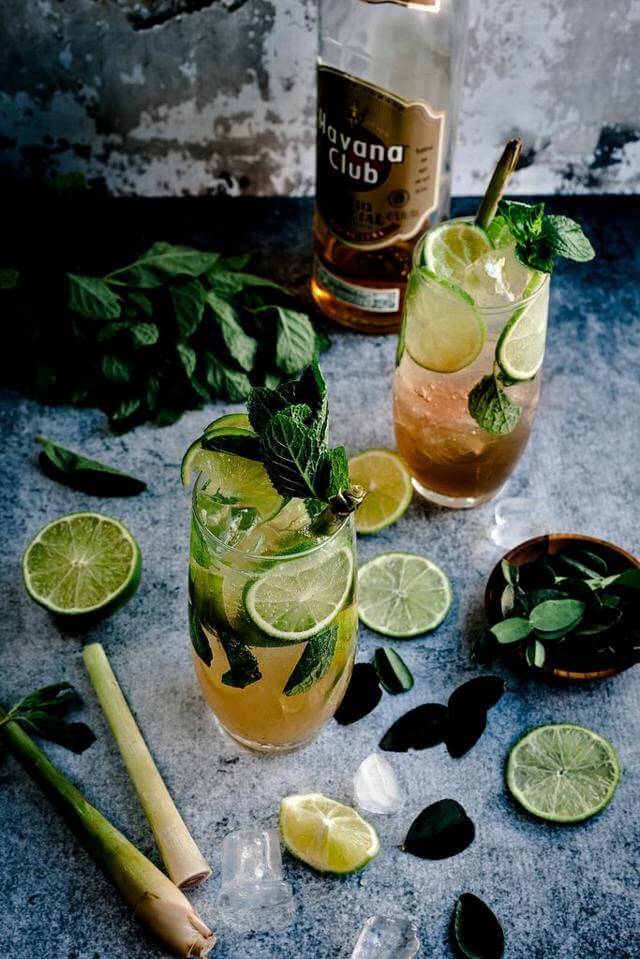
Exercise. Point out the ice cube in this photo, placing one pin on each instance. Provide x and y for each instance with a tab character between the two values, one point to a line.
497	278
518	518
375	785
254	896
385	937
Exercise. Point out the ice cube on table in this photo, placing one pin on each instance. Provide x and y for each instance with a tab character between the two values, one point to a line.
518	518
254	896
375	785
386	937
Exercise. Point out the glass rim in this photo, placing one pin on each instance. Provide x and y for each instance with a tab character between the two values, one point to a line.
261	557
484	310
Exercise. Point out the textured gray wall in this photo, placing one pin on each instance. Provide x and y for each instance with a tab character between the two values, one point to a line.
164	97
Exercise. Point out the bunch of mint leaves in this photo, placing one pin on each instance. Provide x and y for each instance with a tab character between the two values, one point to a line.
290	438
43	713
540	238
166	333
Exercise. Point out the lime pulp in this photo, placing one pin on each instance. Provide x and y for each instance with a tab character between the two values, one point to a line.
387	481
325	834
403	595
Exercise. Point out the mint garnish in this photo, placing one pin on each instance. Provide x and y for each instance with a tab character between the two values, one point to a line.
491	408
541	237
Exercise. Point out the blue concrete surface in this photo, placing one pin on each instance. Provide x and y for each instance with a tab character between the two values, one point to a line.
559	892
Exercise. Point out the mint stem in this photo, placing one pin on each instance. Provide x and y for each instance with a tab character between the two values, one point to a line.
505	168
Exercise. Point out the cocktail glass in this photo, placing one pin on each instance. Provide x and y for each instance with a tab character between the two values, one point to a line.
453	460
269	692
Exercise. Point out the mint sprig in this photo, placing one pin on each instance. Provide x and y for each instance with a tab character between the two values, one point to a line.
541	237
492	408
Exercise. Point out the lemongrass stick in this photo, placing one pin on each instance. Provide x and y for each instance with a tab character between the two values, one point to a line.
505	168
156	901
182	858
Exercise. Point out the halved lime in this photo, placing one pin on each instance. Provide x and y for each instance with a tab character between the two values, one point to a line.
403	595
297	598
244	480
443	330
84	563
234	424
520	348
451	247
563	773
388	484
325	834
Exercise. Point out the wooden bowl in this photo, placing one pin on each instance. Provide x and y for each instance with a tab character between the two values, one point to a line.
550	544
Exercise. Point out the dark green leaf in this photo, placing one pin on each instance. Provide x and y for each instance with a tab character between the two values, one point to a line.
9	278
312	390
420	728
73	736
475	930
295	340
241	346
630	579
160	263
362	696
314	662
441	830
491	408
224	381
600	622
199	638
291	454
566	238
243	666
264	402
141	301
110	330
144	334
510	572
188	300
467	712
535	654
125	409
538	575
556	614
166	416
115	369
537	596
43	712
393	673
81	473
152	391
332	475
570	564
188	358
512	630
55	699
90	296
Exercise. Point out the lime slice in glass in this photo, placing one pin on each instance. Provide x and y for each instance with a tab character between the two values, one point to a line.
231	424
298	598
244	480
325	834
563	773
443	330
388	484
84	563
450	248
520	347
402	595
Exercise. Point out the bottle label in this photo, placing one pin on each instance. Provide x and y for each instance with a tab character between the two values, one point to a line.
364	297
378	161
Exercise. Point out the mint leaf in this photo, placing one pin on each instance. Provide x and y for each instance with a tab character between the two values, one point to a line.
84	474
333	473
541	237
314	662
295	339
491	408
225	381
142	302
162	262
291	453
566	238
188	305
241	346
9	278
188	358
199	639
144	334
115	369
90	296
43	713
243	666
264	402
312	390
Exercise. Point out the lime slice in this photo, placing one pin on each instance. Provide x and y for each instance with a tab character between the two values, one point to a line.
403	595
243	479
388	483
444	331
298	598
82	563
451	247
325	834
233	424
520	348
563	773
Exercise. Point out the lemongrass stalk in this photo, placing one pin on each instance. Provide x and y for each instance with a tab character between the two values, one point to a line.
184	861
156	901
505	168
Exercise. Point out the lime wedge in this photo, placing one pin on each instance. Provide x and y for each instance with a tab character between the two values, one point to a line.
443	330
84	563
402	595
298	598
325	834
451	247
244	480
388	483
563	773
520	347
233	424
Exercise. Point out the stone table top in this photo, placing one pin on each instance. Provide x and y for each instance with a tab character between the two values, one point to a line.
570	892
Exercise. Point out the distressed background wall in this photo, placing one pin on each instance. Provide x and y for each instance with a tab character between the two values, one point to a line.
162	97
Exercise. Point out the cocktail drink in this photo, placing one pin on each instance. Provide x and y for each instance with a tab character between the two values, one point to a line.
455	460
272	592
467	380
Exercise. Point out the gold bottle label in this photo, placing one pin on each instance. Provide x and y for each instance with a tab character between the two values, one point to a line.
378	161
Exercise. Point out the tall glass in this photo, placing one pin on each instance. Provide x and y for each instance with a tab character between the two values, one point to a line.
270	693
453	460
